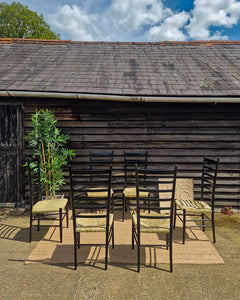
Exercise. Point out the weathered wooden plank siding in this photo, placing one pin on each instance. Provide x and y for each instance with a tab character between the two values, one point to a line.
172	133
10	153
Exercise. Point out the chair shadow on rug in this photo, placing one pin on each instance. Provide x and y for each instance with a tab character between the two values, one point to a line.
89	256
122	256
94	256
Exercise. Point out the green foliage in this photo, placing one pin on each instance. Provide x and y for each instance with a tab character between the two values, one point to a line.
18	21
49	145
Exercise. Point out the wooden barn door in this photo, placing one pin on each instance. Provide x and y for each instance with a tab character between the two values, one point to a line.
10	154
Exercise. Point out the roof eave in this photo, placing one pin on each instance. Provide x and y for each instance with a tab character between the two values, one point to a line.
124	98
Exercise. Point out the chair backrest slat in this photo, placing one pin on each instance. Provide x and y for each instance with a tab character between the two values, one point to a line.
160	197
130	160
208	182
100	160
84	184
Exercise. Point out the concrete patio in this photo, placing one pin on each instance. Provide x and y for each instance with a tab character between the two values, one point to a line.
58	281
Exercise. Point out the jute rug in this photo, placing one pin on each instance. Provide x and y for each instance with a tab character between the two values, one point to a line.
197	249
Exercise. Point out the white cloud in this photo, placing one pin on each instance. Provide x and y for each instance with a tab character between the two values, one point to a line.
133	14
141	20
212	13
118	19
73	21
170	29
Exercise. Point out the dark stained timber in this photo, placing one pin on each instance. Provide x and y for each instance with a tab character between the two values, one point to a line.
10	153
173	133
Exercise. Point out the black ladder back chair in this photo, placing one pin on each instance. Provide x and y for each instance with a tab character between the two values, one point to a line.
154	213
130	160
204	208
40	207
90	194
35	192
100	160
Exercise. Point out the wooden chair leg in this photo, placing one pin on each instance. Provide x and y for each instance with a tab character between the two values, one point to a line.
174	216
60	223
67	218
30	228
203	222
132	236
106	250
138	255
78	239
170	257
123	208
75	253
213	229
184	225
38	223
113	235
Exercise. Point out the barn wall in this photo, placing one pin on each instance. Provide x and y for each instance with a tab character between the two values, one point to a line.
172	133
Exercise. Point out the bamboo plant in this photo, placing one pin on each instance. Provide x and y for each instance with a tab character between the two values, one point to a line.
49	146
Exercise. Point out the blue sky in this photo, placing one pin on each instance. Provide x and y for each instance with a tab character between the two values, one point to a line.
140	20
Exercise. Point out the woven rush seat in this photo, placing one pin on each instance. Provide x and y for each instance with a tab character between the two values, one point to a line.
46	206
40	207
193	206
92	224
152	225
97	193
131	193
